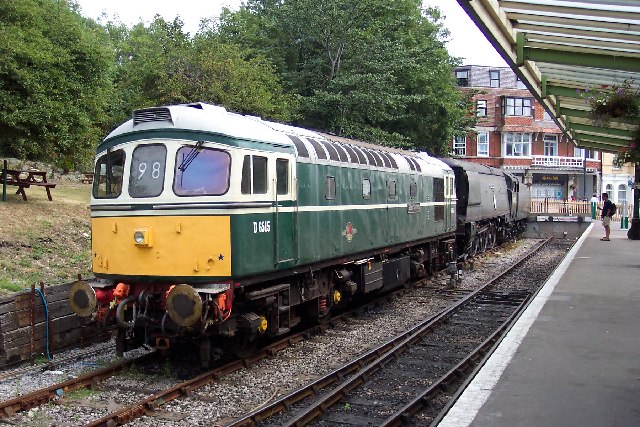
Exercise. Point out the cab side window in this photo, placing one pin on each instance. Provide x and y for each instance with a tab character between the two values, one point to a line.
108	173
282	176
254	175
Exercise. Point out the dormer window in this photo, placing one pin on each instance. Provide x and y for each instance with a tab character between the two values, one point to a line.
462	76
494	78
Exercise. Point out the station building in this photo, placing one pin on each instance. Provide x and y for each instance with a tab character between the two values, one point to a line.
514	132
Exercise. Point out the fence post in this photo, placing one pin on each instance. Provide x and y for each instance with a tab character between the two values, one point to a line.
4	181
624	219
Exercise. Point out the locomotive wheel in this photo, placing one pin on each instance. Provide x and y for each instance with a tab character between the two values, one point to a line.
492	236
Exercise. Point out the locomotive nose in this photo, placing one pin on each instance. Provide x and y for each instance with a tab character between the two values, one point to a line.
184	305
82	298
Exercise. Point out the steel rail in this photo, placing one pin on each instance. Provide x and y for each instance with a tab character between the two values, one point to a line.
400	417
10	407
367	363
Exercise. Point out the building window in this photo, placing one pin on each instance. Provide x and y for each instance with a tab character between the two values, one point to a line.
494	78
516	106
546	115
460	145
483	144
462	76
580	152
481	108
516	144
622	193
520	84
609	190
550	145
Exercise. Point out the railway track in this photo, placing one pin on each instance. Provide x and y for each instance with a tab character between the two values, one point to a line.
9	408
152	402
393	383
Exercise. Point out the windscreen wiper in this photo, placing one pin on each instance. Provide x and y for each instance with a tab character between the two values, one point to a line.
190	157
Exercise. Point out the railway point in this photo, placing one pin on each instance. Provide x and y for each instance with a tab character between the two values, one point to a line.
572	357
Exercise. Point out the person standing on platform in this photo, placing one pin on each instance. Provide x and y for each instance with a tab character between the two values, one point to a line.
606	216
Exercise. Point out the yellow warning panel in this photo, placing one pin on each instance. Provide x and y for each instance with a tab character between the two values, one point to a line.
162	245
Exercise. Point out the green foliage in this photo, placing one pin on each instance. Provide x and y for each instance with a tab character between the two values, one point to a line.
371	70
7	285
161	65
54	82
376	71
620	102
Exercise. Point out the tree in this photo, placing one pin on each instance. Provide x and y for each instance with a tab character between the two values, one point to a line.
373	70
54	82
160	65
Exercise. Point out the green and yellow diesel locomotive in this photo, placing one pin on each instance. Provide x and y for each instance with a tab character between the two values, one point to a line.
219	228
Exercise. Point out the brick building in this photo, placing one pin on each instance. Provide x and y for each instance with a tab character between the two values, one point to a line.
514	132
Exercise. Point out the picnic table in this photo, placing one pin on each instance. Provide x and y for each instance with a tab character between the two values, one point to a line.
25	179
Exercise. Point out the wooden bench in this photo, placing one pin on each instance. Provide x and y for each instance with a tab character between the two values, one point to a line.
87	178
26	179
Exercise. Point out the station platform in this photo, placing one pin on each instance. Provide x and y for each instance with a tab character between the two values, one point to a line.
573	357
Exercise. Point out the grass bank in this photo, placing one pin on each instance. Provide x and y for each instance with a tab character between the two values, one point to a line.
42	240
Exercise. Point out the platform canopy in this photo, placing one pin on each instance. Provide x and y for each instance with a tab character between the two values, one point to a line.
559	48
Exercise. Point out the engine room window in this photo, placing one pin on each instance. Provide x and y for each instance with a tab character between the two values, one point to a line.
413	190
282	176
254	175
108	173
201	171
366	188
391	185
438	197
330	188
146	176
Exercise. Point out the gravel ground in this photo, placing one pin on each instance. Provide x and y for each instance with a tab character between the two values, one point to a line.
251	387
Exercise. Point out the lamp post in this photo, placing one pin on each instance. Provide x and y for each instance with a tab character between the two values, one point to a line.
527	178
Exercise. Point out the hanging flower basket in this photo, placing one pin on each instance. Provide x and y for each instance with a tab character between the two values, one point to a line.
630	154
613	102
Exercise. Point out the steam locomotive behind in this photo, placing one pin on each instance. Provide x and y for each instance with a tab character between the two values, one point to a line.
492	206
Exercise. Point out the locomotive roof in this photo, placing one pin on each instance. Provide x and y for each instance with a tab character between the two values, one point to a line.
202	117
473	167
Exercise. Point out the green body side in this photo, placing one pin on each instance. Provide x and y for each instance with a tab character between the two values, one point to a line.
312	229
317	229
